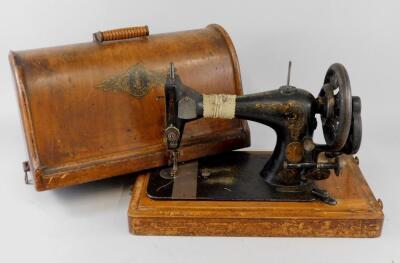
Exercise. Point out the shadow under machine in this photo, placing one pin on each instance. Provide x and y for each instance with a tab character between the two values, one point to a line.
171	108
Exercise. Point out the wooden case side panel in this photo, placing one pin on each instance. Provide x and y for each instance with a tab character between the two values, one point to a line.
26	119
273	227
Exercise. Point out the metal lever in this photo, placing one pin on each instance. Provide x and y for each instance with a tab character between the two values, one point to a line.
336	166
323	196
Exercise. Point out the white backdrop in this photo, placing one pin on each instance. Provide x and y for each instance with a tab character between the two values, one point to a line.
88	223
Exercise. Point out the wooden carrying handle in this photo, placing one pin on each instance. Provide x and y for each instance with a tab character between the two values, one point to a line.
121	33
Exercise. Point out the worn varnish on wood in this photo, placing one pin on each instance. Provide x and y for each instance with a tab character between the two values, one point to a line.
357	214
96	110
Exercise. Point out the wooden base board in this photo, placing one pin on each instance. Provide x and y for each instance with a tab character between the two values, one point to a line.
357	214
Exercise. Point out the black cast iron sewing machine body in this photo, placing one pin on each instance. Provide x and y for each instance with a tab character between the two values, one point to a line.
291	113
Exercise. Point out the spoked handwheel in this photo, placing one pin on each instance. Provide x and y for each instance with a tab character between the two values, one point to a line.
336	108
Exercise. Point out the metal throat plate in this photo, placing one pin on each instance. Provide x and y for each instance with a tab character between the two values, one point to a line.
227	176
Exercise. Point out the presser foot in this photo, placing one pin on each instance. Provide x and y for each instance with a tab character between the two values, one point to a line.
323	196
171	172
168	173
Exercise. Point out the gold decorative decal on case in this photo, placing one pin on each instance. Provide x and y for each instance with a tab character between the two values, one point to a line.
136	81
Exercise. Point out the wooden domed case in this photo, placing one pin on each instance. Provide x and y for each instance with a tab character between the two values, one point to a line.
96	110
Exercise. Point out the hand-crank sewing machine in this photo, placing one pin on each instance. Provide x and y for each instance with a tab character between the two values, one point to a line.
123	110
295	163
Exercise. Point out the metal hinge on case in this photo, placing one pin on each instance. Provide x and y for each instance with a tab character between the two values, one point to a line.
27	169
121	33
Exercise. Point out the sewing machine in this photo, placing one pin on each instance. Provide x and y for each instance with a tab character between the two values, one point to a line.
288	174
226	193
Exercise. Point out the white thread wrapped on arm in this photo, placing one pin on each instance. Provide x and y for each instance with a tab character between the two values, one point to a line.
219	106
